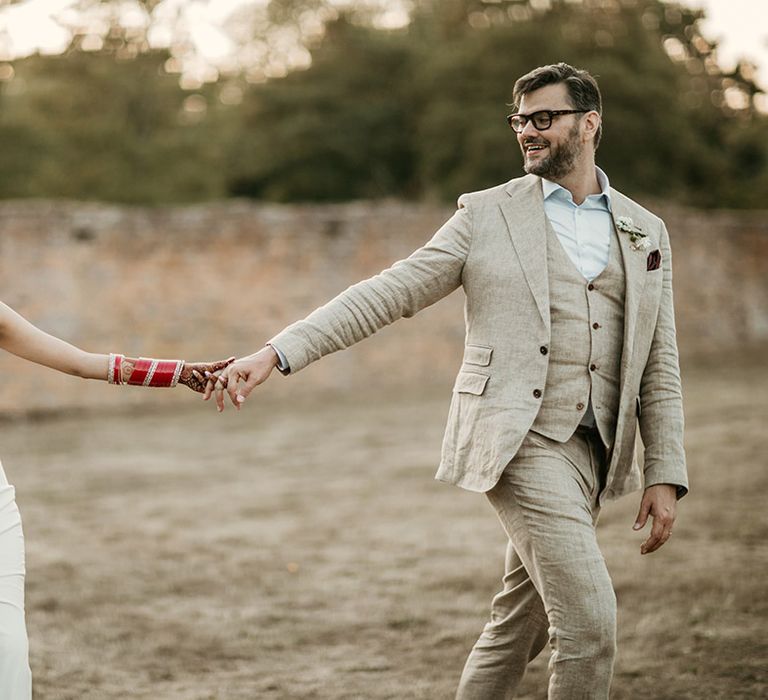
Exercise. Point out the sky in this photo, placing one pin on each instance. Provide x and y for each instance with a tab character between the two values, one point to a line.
741	26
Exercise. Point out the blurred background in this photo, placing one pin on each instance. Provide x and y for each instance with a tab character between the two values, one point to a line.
313	100
185	178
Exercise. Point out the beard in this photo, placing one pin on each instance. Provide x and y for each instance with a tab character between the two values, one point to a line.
560	161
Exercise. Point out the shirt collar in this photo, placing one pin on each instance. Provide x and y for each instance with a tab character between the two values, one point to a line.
550	188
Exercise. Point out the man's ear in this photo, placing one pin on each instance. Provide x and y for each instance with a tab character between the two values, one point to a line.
591	124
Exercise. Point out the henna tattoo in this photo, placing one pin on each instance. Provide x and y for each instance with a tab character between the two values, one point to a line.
189	379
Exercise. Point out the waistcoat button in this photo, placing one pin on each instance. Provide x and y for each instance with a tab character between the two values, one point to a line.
595	325
593	367
543	350
579	405
590	286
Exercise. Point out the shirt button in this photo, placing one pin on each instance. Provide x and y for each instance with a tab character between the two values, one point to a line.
593	367
543	350
590	286
579	406
595	325
537	393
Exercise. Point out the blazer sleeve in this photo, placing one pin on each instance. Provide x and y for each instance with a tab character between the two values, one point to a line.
409	285
661	400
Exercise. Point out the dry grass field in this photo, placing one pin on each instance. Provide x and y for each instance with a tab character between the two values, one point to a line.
304	551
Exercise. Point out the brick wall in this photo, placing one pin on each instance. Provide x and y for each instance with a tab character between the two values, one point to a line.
211	280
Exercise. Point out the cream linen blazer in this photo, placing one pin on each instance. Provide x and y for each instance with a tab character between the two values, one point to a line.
494	246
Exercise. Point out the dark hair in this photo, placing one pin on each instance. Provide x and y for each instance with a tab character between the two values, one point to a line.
583	92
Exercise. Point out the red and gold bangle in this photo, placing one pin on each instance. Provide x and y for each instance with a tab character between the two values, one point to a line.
115	371
158	373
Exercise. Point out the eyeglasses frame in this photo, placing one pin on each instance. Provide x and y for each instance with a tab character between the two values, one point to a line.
550	112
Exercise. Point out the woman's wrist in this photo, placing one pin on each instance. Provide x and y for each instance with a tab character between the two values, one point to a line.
126	368
144	371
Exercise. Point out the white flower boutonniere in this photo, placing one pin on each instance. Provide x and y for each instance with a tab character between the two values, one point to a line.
637	239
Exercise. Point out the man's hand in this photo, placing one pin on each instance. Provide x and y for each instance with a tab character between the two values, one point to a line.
192	374
251	370
660	502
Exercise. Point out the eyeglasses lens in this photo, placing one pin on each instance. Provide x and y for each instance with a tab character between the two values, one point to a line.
540	120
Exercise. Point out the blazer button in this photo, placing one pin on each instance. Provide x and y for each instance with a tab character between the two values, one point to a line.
543	350
537	393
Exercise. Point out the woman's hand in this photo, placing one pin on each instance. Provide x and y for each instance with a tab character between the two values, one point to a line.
193	373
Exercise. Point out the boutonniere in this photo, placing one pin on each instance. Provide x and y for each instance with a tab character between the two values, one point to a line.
637	239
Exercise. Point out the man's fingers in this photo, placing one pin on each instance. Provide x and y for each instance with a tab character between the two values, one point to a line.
251	383
654	539
662	529
232	391
217	383
235	375
219	393
642	515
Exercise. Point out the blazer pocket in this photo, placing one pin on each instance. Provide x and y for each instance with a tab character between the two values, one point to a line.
478	355
653	261
471	383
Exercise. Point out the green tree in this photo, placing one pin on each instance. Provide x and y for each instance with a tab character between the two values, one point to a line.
421	111
335	131
93	125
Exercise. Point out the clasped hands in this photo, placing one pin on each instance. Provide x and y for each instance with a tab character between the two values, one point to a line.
238	378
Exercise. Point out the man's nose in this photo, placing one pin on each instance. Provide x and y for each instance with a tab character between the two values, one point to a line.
529	130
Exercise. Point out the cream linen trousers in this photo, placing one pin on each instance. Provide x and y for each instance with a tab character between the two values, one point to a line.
15	676
556	585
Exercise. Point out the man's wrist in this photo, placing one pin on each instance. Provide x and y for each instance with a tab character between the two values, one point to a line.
678	489
282	361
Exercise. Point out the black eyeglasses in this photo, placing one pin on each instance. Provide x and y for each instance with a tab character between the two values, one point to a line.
541	120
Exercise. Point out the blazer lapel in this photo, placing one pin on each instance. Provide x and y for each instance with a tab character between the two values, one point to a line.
634	279
526	225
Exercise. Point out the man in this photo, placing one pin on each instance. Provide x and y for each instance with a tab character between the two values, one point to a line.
570	341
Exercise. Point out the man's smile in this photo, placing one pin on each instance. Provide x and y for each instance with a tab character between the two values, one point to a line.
531	148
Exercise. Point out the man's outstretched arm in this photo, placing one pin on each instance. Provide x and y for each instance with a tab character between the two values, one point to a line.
429	274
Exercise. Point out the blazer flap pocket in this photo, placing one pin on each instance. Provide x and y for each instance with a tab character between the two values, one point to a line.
471	383
478	355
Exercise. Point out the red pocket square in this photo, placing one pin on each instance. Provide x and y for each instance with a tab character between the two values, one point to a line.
654	260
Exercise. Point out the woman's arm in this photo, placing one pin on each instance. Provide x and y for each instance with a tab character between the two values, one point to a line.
20	337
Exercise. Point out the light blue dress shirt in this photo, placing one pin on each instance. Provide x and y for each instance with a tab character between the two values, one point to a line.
584	230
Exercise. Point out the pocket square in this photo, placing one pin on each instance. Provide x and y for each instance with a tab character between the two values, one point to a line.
654	260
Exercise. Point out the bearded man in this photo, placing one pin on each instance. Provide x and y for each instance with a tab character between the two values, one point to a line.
570	343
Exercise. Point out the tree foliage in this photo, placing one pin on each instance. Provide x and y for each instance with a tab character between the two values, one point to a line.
421	111
418	111
91	125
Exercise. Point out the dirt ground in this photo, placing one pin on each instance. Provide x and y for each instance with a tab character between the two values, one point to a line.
304	551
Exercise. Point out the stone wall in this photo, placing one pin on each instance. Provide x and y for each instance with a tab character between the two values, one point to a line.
217	279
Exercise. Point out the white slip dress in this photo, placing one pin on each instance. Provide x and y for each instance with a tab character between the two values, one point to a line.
15	674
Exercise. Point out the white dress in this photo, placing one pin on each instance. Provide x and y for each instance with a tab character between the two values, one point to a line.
15	676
